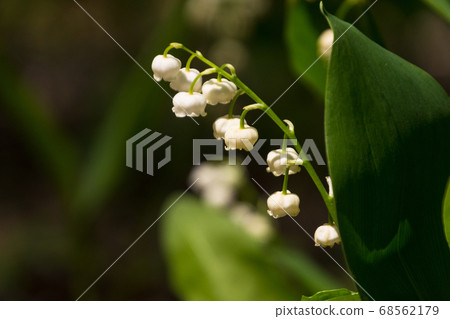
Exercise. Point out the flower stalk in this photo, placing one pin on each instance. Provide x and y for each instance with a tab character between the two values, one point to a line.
233	102
329	201
285	181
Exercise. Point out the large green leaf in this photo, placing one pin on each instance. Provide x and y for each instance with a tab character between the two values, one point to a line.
211	258
301	38
387	134
333	295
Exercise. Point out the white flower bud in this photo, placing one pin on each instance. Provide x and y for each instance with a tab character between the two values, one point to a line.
324	42
165	67
281	205
327	235
223	124
218	92
185	104
184	79
277	161
237	138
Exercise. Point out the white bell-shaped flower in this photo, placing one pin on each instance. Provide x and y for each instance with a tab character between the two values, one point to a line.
165	67
327	235
185	104
240	138
278	160
216	91
324	42
280	204
184	79
223	124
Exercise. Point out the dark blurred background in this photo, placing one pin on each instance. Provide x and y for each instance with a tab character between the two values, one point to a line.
70	98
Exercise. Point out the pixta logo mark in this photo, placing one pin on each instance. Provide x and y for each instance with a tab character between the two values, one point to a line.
140	151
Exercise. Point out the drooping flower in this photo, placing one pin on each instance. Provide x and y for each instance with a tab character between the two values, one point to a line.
165	67
327	235
223	124
216	91
324	43
240	138
184	79
278	160
185	104
280	204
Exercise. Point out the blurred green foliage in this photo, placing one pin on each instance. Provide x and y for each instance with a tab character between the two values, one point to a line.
69	98
211	258
441	6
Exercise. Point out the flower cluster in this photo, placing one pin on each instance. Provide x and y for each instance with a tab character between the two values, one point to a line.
192	96
192	99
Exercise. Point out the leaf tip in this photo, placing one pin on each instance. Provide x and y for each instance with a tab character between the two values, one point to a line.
322	9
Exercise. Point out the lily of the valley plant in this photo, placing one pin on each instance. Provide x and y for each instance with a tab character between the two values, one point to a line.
192	99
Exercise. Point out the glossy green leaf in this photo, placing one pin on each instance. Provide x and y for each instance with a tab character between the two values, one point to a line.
387	134
301	38
209	257
442	7
333	295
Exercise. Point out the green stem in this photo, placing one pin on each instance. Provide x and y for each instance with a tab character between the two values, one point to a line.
330	219
242	122
285	181
188	63
284	146
207	71
248	108
233	101
166	51
229	67
329	202
222	67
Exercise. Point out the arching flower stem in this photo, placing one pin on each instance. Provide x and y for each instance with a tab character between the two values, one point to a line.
233	101
188	63
206	72
329	201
